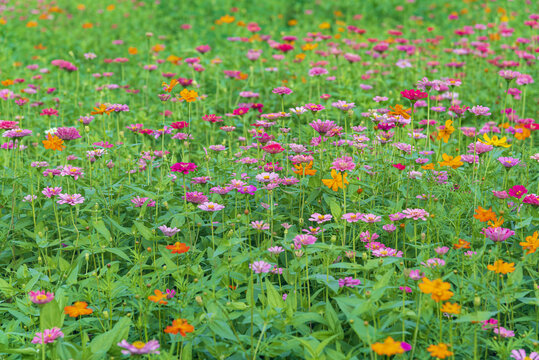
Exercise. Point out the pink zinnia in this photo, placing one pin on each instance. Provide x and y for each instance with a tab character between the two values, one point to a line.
416	214
47	336
41	297
517	191
319	218
498	234
413	95
345	163
211	206
184	168
70	199
139	201
260	267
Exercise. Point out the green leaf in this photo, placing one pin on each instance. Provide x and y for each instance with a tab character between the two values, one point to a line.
476	316
274	299
103	342
102	229
143	230
51	315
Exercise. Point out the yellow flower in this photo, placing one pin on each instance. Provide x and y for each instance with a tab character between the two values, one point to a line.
494	141
337	181
531	244
400	110
451	161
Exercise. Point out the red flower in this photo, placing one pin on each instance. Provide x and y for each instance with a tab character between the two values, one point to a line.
273	148
413	95
399	166
179	125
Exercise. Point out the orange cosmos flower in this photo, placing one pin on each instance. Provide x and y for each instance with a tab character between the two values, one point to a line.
7	82
445	131
400	110
181	326
158	297
132	51
78	309
437	289
227	19
307	170
484	215
524	134
337	181
389	347
531	244
451	308
87	25
102	109
158	48
428	166
174	59
178	248
439	351
497	222
462	244
169	87
30	24
54	143
188	95
453	162
501	267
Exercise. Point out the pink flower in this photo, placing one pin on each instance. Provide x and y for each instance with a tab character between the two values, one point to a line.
139	348
41	297
303	239
319	218
168	231
140	201
210	206
497	234
260	267
352	217
349	282
49	112
275	250
416	214
371	218
413	95
500	194
48	336
50	192
259	225
345	163
184	168
70	199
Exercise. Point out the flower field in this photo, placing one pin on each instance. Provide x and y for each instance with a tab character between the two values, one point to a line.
269	180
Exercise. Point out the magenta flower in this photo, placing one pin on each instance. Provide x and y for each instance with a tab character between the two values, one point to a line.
48	336
210	206
282	90
319	218
41	297
184	168
69	170
416	275
479	110
323	127
413	95
49	112
500	194
195	197
260	267
345	163
352	217
259	225
67	133
140	201
497	234
371	218
70	199
17	133
139	348
168	231
303	239
531	199
517	191
317	71
349	282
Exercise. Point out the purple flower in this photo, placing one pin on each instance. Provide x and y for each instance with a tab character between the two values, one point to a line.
139	348
260	267
389	228
168	231
48	336
508	162
520	354
70	199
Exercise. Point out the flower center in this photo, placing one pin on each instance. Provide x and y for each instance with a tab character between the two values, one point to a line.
139	344
41	297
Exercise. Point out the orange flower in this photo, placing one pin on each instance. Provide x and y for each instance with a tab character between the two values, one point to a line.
524	134
158	48
227	19
437	289
389	347
54	143
428	166
451	308
7	82
484	215
439	351
446	131
87	25
453	162
400	110
337	181
308	170
181	326
497	222
178	248
132	51
462	244
188	95
501	267
102	109
31	24
78	309
174	59
169	87
531	244
158	297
